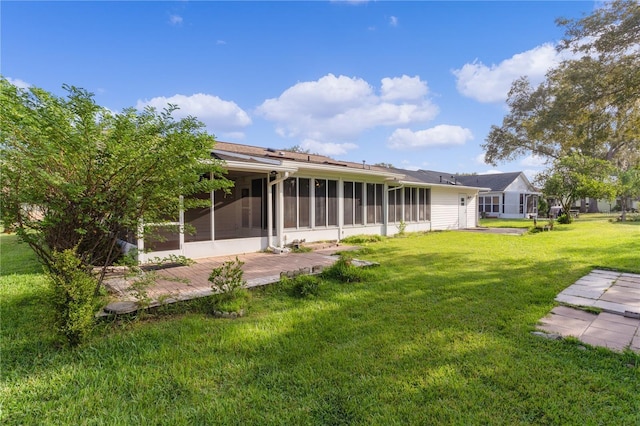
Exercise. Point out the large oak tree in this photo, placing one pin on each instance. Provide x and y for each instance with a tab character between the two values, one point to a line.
588	105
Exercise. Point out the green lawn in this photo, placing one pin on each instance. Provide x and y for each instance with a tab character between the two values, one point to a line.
440	335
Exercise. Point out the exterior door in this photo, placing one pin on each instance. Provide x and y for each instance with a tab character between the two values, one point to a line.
462	211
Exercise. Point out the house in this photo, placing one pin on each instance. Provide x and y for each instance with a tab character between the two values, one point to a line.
280	197
510	195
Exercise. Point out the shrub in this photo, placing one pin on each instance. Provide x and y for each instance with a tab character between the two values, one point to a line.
362	239
73	296
227	278
344	271
305	286
228	284
564	219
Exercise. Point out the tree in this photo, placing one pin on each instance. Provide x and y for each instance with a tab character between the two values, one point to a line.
587	105
78	176
577	176
627	188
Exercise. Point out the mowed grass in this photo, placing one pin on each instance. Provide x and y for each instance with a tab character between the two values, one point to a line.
440	334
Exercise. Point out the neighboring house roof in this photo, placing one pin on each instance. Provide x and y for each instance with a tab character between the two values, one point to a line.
254	157
497	182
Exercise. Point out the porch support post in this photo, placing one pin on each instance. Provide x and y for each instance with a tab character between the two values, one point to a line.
279	213
269	214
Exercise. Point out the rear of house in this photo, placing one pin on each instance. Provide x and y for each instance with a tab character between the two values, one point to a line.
280	197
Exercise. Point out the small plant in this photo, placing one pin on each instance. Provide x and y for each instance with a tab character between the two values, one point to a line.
402	227
228	285
73	296
344	271
305	286
227	278
139	289
363	239
564	219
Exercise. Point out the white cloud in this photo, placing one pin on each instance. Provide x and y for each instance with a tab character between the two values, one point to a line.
480	158
393	21
217	114
441	135
492	83
405	87
533	161
491	172
221	42
175	20
342	107
329	149
20	84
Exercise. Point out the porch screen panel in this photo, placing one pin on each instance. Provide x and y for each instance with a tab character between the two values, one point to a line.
321	202
358	203
398	205
407	205
257	219
379	197
290	189
371	203
162	238
392	206
304	213
348	203
198	221
421	204
225	214
332	203
427	201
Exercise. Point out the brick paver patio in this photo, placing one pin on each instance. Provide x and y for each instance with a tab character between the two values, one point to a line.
616	327
189	282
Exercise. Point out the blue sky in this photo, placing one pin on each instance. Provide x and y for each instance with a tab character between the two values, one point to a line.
414	84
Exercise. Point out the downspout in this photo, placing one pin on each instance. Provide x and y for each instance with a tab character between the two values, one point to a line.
386	225
270	211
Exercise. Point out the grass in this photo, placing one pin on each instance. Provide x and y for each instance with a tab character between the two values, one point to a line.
440	334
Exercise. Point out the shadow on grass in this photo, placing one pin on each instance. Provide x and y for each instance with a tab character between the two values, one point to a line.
441	334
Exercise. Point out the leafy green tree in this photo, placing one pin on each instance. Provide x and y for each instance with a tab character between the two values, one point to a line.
627	188
577	176
587	105
78	176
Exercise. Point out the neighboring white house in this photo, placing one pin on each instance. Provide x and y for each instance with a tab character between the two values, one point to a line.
280	197
510	195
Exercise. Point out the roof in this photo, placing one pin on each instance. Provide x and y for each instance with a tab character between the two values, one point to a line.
264	158
495	181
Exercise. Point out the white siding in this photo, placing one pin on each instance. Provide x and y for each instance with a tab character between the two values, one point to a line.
444	208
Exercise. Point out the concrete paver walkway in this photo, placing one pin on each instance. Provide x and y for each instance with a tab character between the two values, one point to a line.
617	327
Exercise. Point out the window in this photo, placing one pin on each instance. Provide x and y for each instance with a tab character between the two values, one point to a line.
353	203
304	203
424	204
290	187
489	204
332	203
395	205
521	210
326	202
296	203
371	203
348	203
358	203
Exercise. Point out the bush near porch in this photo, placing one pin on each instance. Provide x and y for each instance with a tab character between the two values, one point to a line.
440	334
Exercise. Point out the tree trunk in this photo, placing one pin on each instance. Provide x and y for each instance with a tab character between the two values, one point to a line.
583	206
593	205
